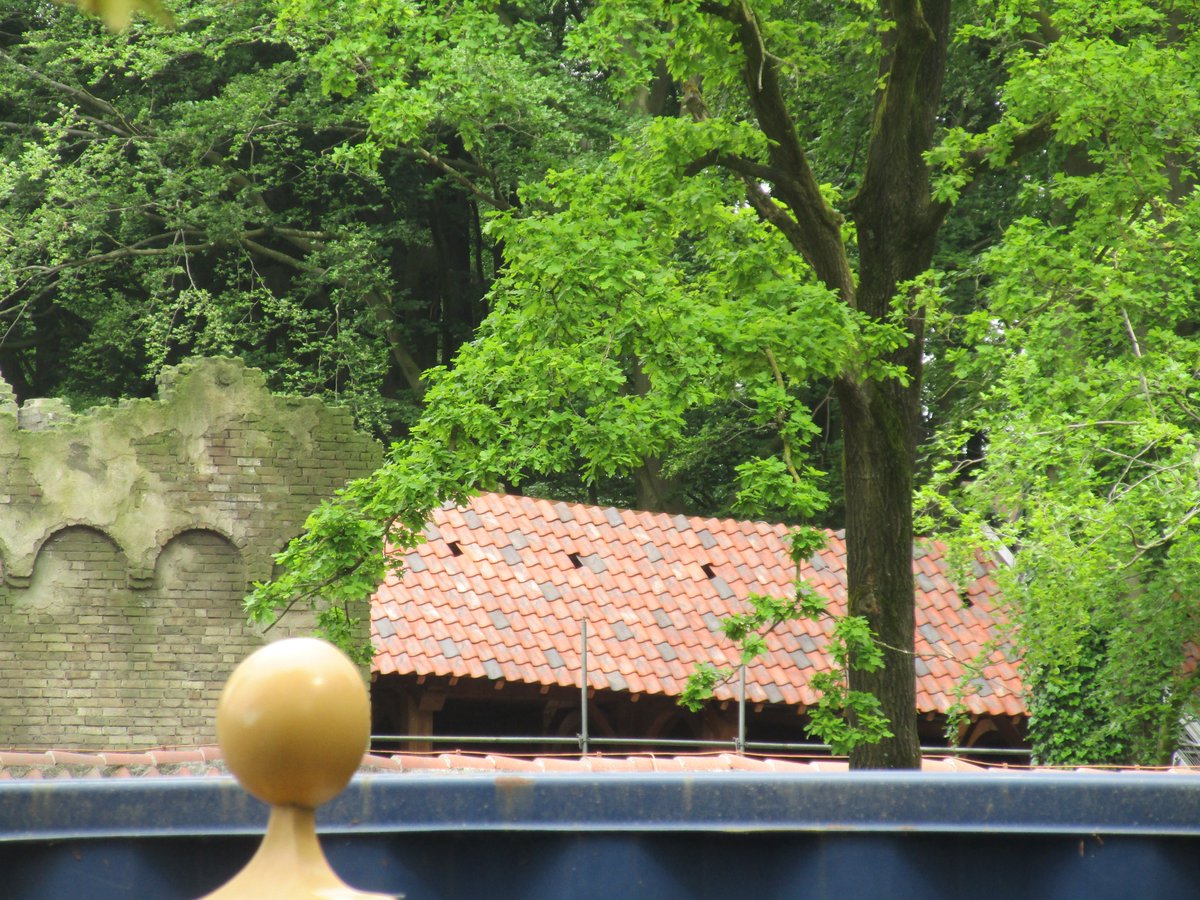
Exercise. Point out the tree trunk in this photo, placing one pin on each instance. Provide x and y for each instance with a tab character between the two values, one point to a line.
879	426
655	491
897	226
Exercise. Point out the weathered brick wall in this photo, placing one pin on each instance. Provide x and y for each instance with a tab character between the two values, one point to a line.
128	538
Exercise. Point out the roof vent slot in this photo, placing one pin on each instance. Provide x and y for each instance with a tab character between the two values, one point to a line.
575	560
708	571
455	550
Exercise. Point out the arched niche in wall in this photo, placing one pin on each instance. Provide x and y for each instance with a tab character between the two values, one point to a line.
199	582
77	567
200	560
196	598
72	630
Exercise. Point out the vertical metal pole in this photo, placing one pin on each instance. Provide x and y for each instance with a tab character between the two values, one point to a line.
583	700
741	738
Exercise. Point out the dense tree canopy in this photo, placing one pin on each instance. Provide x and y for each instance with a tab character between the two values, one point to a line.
1092	473
730	239
767	233
1083	378
200	190
1079	389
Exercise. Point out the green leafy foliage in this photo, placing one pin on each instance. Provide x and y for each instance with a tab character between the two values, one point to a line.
169	195
439	76
842	717
701	684
1084	364
351	542
704	263
716	228
1097	487
184	191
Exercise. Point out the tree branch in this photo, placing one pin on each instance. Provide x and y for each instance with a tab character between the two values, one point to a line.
440	164
135	249
280	257
779	417
42	129
740	165
81	97
979	162
379	304
817	232
314	591
772	213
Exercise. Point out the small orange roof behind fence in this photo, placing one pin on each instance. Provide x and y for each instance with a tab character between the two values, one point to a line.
501	588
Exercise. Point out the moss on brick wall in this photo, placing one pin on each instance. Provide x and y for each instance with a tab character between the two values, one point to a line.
128	537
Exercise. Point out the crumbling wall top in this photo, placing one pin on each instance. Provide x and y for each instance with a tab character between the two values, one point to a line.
216	450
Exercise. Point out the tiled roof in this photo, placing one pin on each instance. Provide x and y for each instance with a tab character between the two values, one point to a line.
500	589
54	764
206	761
443	763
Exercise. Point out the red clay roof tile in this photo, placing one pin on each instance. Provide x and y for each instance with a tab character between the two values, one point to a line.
651	607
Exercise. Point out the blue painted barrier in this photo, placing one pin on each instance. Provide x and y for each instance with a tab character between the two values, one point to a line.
661	836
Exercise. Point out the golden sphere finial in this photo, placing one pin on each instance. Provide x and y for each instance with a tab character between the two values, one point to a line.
293	723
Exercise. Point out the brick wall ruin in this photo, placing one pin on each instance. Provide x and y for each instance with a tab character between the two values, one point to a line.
129	536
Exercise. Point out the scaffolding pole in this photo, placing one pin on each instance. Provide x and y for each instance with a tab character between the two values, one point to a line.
583	698
741	738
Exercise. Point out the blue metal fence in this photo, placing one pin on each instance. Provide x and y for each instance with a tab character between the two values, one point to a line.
571	837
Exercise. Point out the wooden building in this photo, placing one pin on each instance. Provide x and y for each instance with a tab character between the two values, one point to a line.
483	634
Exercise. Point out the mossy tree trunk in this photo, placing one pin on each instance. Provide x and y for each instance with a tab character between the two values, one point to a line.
897	223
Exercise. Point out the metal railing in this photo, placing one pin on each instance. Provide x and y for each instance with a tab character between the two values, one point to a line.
584	740
582	743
